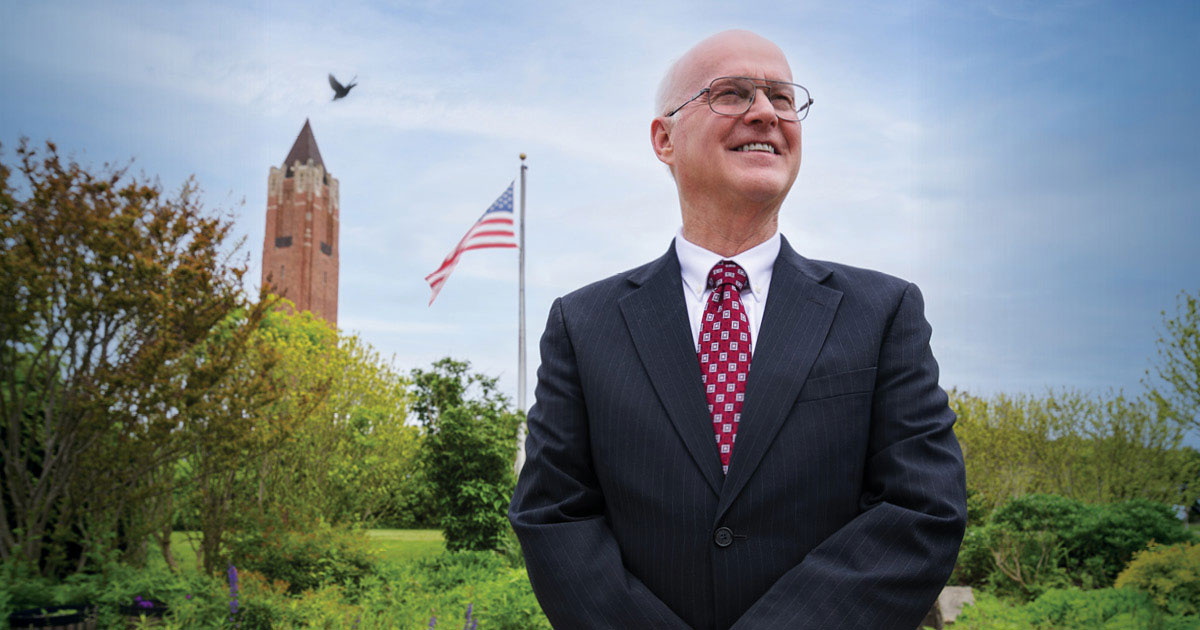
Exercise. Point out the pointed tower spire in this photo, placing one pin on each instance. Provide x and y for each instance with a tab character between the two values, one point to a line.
304	149
300	243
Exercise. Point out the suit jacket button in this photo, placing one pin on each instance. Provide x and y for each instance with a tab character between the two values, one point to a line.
723	537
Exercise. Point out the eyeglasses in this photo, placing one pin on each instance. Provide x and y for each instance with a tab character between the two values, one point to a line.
733	96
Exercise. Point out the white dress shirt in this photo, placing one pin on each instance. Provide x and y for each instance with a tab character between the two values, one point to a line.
694	264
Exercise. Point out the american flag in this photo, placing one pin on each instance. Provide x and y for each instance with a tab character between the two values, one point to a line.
493	229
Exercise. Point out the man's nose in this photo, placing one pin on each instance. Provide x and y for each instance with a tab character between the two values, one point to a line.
761	109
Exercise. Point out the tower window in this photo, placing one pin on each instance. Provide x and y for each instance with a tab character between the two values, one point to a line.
326	249
283	241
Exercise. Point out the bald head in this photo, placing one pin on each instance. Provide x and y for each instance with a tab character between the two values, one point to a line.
694	69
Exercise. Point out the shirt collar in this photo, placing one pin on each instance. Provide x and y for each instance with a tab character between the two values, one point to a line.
695	262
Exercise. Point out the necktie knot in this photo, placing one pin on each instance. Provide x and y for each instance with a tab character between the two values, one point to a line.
728	272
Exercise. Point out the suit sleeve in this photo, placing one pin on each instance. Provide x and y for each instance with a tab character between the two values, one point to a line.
557	510
884	569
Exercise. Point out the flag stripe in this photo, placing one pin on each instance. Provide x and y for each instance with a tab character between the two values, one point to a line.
487	233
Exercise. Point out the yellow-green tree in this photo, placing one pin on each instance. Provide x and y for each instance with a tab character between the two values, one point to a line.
1090	448
331	444
1178	365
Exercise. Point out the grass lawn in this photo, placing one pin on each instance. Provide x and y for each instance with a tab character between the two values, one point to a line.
406	544
393	545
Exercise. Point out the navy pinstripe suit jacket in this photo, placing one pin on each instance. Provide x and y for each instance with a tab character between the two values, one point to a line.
845	500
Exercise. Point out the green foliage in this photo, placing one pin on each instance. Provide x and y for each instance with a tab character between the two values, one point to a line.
330	444
471	458
1169	575
975	563
388	596
1040	542
1178	367
1109	535
450	383
978	508
1066	443
109	288
195	600
1072	609
470	448
303	558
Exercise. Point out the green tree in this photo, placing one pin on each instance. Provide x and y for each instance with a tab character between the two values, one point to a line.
1096	449
1178	367
470	444
331	444
471	464
109	287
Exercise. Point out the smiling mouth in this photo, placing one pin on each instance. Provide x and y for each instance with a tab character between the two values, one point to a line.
757	146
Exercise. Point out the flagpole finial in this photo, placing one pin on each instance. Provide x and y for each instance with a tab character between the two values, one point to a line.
522	157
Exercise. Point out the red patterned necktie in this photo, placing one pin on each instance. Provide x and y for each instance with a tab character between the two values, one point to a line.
724	352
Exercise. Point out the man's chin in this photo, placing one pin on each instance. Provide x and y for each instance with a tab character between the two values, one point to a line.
763	187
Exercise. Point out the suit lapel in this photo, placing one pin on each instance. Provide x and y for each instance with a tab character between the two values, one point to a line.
795	324
656	316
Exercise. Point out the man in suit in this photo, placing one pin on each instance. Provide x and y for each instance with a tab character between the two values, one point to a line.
735	436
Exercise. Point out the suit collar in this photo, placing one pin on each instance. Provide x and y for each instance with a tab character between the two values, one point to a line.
795	324
656	317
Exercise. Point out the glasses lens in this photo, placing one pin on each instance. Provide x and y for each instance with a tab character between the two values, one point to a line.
803	102
730	96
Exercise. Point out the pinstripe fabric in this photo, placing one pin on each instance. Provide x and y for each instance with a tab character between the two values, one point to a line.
845	496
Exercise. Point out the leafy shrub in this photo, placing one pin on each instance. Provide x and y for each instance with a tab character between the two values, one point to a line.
1169	575
978	508
1108	536
1047	512
974	563
193	599
394	595
1072	609
471	457
1027	562
1039	542
1075	608
304	560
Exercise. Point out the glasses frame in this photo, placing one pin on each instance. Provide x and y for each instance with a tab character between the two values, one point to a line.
801	111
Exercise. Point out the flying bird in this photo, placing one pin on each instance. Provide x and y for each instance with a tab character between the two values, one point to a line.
339	90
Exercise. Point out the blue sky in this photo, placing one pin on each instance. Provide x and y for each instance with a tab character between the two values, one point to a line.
1031	165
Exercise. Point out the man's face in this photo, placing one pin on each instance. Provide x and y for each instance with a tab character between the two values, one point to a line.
711	155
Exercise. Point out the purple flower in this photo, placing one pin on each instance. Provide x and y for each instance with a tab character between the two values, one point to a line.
433	621
145	603
469	624
233	591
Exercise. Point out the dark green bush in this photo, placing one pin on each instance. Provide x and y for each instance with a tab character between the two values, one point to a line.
1169	575
323	554
394	595
1075	608
1108	536
1072	609
975	562
471	457
1032	512
193	599
1039	542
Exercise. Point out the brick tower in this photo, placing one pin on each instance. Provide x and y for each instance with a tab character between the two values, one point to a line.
300	249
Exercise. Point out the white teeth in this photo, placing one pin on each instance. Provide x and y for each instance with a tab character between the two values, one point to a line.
756	146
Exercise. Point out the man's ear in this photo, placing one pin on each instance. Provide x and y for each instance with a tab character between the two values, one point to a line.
660	138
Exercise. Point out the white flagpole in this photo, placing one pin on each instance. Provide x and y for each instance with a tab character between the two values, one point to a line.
521	327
